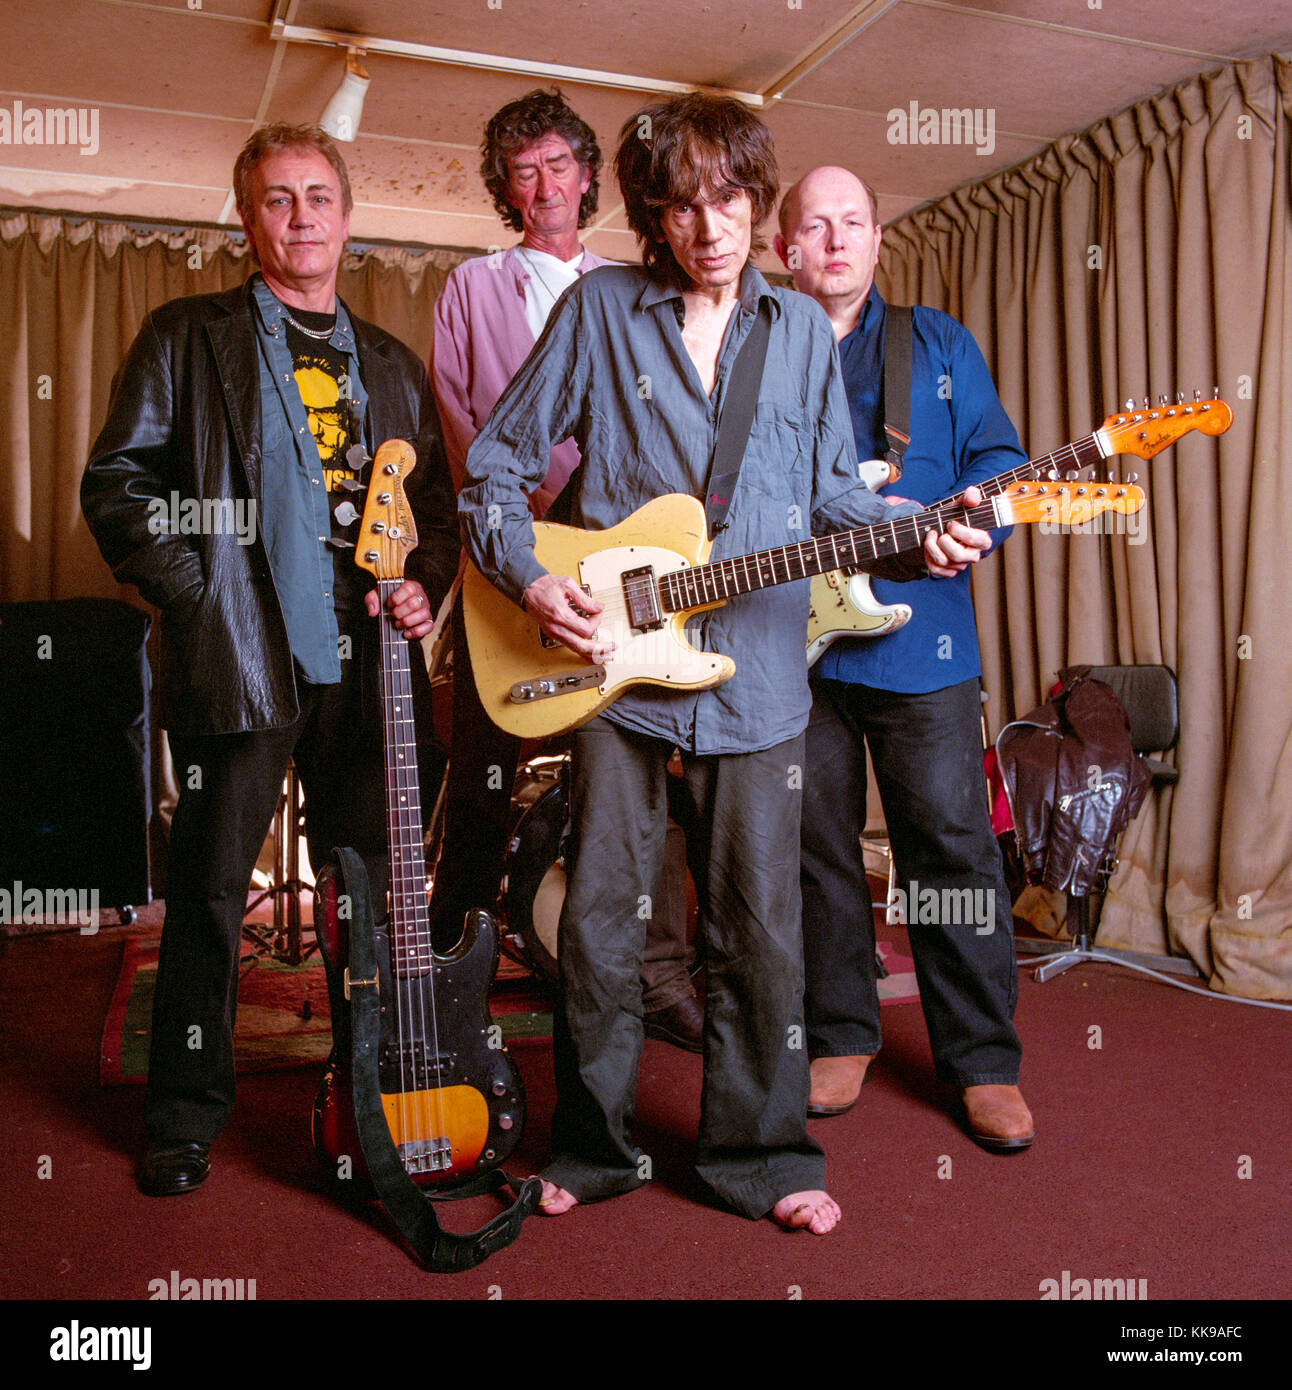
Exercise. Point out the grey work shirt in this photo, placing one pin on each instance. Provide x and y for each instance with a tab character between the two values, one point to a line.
612	371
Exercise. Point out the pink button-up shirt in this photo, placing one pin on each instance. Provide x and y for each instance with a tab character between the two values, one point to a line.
481	339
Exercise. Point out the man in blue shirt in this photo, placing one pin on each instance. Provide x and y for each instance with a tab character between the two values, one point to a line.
913	696
635	363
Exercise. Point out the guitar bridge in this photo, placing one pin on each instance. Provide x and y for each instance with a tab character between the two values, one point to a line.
426	1155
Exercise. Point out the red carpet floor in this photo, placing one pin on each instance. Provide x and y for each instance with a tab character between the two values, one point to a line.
1162	1155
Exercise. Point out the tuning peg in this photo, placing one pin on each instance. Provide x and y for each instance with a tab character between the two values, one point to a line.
337	544
350	484
356	457
1161	400
1197	395
1112	480
1072	475
1052	474
1132	477
346	514
1179	397
1130	403
1215	393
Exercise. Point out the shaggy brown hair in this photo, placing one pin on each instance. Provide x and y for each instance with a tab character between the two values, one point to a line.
272	139
520	123
670	151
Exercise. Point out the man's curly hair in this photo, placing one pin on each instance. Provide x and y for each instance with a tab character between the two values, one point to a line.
520	123
672	150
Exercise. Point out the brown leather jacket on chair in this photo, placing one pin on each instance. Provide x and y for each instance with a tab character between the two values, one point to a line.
1074	783
185	418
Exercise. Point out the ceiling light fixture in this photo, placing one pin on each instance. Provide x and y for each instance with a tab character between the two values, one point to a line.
341	115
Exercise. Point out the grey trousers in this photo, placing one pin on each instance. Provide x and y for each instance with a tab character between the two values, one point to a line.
753	1146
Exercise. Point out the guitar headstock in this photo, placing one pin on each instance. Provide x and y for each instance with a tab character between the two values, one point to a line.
1148	430
387	532
1071	503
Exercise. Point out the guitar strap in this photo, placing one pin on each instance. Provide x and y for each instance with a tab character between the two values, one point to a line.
897	385
737	420
409	1207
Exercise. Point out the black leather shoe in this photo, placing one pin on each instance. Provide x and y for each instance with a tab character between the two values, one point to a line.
169	1169
681	1024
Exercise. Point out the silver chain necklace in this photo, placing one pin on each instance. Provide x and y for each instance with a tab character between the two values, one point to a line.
319	333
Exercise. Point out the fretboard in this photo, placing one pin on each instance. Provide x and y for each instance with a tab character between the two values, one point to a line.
410	935
722	579
1085	453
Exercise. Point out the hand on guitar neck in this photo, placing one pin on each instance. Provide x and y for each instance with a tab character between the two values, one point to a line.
409	607
568	615
948	552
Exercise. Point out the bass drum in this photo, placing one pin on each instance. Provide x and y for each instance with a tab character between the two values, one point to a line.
534	885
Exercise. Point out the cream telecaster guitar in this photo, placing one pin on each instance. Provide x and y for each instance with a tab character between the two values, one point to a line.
651	574
844	606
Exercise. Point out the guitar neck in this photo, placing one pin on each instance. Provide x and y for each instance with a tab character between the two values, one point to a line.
410	934
699	585
1084	453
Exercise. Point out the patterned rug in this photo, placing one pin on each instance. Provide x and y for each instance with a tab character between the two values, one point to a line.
283	1017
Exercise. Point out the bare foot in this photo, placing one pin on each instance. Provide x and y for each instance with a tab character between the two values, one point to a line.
818	1212
555	1201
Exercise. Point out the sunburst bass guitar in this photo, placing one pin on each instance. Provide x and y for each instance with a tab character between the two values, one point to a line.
451	1095
651	573
844	605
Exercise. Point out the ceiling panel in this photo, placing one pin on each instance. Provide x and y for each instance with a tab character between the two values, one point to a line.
743	46
177	90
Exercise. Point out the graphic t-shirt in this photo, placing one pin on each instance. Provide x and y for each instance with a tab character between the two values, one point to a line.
323	380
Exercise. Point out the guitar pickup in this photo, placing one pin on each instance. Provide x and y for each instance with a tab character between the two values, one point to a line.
544	687
641	597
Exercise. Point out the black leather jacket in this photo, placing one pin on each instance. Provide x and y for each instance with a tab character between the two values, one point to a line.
185	417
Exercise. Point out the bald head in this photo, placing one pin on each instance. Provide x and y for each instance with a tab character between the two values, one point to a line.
830	179
829	241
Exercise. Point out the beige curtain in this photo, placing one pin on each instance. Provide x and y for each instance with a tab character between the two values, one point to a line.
1150	254
72	298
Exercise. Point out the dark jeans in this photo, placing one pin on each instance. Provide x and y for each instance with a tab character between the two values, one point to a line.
927	755
753	1145
228	787
478	829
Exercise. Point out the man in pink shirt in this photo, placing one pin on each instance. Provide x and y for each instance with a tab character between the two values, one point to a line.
540	164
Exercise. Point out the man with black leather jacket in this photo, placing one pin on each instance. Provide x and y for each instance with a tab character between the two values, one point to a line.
220	486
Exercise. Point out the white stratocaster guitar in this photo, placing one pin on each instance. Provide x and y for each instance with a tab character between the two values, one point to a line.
651	575
844	606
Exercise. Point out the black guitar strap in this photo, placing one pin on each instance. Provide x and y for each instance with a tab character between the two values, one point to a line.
408	1206
897	385
737	420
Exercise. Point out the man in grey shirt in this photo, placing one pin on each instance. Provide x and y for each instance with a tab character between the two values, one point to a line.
635	364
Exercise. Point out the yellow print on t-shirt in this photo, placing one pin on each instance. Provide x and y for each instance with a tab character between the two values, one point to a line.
328	416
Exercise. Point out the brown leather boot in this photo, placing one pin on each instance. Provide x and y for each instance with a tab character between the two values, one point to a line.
997	1117
837	1082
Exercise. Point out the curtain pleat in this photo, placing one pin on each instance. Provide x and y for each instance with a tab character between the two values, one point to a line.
1144	256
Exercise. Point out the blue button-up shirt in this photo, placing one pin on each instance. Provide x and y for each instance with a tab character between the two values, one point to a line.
294	515
611	370
960	435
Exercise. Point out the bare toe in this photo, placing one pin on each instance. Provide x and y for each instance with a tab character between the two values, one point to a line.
555	1201
816	1211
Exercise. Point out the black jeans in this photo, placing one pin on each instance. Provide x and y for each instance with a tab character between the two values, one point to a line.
228	787
927	755
753	1146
